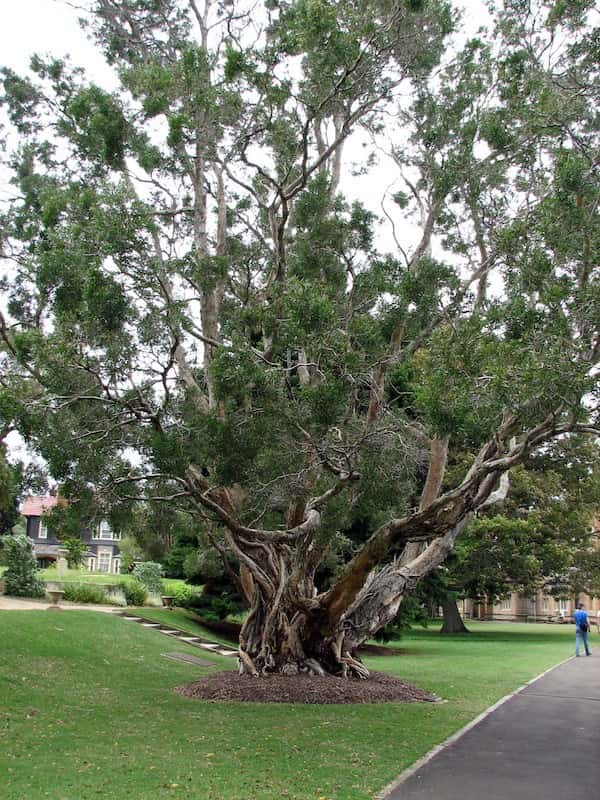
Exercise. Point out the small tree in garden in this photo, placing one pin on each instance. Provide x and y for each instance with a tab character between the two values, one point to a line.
75	550
149	574
20	578
131	552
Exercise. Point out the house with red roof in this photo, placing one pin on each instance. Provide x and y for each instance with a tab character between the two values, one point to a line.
102	552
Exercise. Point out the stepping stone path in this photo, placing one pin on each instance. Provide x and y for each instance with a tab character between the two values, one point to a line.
198	662
183	636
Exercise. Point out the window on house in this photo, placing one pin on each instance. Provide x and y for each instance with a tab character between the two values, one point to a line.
104	559
43	531
91	564
563	605
104	531
116	565
545	602
506	604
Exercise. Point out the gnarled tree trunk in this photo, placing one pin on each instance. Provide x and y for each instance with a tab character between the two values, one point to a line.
291	627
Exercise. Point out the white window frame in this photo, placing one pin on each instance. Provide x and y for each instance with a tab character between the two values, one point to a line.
91	564
545	602
506	604
563	605
43	530
103	552
116	565
104	533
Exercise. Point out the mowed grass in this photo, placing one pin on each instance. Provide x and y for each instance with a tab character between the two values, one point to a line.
87	711
84	576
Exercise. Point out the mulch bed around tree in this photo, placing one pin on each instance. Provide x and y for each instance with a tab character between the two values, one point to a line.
379	688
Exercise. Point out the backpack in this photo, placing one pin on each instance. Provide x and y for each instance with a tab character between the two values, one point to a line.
584	627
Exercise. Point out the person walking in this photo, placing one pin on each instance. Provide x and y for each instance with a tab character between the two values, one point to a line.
582	629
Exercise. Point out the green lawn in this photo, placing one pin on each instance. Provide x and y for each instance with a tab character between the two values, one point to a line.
84	576
87	711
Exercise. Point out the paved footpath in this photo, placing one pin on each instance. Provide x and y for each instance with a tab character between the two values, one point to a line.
541	744
25	604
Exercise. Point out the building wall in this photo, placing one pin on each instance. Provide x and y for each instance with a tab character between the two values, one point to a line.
517	608
33	531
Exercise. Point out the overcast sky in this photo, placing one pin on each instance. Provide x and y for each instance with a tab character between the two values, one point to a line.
50	26
46	26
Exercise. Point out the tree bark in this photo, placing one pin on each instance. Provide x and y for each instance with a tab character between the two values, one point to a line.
453	622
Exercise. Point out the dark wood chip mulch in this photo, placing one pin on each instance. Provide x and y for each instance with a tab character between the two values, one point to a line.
229	686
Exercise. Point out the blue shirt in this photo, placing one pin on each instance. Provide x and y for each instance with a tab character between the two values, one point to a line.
580	617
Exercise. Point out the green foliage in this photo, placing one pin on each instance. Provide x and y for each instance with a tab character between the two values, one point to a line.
541	536
135	592
98	126
9	486
130	553
218	600
149	574
20	578
184	596
84	593
219	597
76	549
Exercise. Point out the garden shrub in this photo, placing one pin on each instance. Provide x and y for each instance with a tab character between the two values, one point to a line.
184	595
218	600
149	574
20	578
135	593
84	593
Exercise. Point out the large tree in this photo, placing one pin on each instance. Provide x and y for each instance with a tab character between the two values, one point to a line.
200	315
542	537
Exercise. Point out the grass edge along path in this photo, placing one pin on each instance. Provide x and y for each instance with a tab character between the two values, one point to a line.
87	711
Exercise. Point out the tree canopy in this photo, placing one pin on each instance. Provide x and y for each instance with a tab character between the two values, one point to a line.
542	537
198	311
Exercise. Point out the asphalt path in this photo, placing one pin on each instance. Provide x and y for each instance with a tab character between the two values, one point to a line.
543	743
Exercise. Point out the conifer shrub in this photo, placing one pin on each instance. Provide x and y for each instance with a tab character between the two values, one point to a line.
20	578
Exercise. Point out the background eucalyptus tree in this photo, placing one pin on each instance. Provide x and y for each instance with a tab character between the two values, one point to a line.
197	313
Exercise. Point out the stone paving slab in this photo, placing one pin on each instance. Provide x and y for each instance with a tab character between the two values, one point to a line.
199	662
183	636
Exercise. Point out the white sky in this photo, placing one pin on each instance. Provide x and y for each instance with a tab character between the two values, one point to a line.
50	26
46	26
